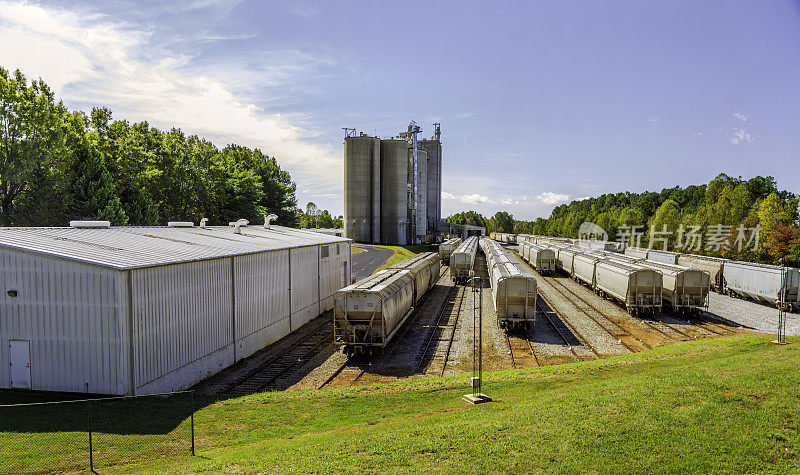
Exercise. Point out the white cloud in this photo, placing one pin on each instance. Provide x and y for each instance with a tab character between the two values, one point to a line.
653	119
741	116
475	198
582	198
551	198
741	136
698	134
89	59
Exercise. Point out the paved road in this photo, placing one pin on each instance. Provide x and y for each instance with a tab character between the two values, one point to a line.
365	263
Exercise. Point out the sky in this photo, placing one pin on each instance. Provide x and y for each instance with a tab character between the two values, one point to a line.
540	102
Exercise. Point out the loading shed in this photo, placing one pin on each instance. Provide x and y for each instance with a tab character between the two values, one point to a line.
143	310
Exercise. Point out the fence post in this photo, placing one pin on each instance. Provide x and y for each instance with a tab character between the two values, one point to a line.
89	429
191	406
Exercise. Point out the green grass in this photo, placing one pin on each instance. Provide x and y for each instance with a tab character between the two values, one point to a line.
714	406
400	253
356	250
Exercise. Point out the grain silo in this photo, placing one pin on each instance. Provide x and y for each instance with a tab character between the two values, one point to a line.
143	310
395	225
433	147
421	198
362	188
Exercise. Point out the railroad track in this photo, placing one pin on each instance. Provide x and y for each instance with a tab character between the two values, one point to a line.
520	350
351	371
269	373
435	353
583	341
347	374
623	336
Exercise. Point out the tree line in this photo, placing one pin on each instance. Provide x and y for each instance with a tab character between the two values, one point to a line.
57	165
727	206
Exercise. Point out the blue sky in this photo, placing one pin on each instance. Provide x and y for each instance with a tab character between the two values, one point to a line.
540	102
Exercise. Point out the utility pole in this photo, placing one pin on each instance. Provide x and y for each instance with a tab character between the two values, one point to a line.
477	397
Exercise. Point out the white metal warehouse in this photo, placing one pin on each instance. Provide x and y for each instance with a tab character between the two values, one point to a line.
143	310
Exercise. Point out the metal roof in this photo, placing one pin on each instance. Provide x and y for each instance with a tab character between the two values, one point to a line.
136	247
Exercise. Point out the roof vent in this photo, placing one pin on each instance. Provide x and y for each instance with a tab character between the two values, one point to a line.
268	218
89	224
203	222
180	224
237	225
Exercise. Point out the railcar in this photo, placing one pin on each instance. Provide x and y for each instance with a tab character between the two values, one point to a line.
446	248
425	268
763	283
638	288
542	259
667	257
685	290
513	285
367	314
462	260
637	252
713	265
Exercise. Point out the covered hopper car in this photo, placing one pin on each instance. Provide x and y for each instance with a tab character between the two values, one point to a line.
367	314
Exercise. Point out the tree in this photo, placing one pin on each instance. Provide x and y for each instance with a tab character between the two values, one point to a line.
31	138
501	222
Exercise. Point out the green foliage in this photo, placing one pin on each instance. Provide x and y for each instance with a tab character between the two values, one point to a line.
57	165
314	217
473	218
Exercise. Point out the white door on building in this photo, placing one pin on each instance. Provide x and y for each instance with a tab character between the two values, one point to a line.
20	363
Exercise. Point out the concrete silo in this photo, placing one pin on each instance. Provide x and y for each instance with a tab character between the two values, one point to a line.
395	224
422	195
433	147
362	188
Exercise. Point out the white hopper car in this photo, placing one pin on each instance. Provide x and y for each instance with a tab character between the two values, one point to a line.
637	287
542	258
686	290
763	283
367	314
446	248
637	252
712	265
667	257
425	268
513	286
462	260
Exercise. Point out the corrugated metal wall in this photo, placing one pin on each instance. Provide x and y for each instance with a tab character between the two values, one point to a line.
77	315
183	323
71	314
262	306
305	285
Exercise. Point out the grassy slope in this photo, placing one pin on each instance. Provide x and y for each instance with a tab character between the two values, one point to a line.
724	405
356	250
400	253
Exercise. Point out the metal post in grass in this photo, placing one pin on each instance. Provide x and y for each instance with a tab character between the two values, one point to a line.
191	412
89	429
781	304
477	397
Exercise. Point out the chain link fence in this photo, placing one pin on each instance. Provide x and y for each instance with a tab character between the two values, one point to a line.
58	436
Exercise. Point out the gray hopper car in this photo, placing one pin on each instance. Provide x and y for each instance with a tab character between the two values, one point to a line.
763	283
712	265
367	314
635	286
667	257
446	248
513	287
542	259
684	289
637	252
565	256
425	268
463	259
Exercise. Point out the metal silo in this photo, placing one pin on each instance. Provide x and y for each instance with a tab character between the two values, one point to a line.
394	191
362	188
433	147
422	195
